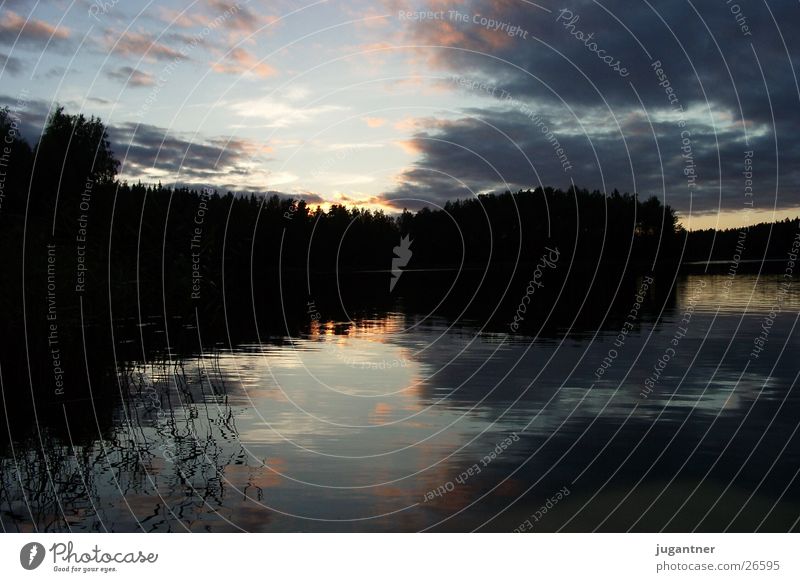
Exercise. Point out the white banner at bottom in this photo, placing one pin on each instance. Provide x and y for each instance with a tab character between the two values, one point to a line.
356	557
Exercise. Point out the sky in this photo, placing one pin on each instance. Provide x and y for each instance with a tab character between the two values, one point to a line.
394	104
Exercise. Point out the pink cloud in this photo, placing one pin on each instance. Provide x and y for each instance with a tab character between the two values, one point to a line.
374	121
240	62
138	44
15	28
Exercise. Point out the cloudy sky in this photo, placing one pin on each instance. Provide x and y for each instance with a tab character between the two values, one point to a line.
399	104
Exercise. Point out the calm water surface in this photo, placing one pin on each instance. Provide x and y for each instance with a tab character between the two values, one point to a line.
351	426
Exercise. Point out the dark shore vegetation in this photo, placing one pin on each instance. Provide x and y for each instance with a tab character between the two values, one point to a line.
97	271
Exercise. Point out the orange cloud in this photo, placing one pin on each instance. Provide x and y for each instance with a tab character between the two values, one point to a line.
374	121
410	146
248	146
138	44
455	33
407	124
239	19
240	62
420	123
185	19
446	34
15	28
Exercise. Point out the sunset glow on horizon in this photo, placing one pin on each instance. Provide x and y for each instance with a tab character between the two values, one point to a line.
402	104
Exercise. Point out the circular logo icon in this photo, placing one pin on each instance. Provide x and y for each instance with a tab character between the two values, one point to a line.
31	555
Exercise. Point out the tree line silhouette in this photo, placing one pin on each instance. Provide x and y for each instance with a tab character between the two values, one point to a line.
115	264
759	242
180	250
125	272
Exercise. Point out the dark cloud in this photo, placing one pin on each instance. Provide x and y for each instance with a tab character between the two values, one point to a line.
310	198
32	114
713	67
235	17
519	147
132	77
10	65
143	45
55	72
146	149
142	147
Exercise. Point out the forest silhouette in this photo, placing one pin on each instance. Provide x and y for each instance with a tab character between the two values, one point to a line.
176	249
131	270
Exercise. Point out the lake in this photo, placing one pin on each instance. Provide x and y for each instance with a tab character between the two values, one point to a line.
676	415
